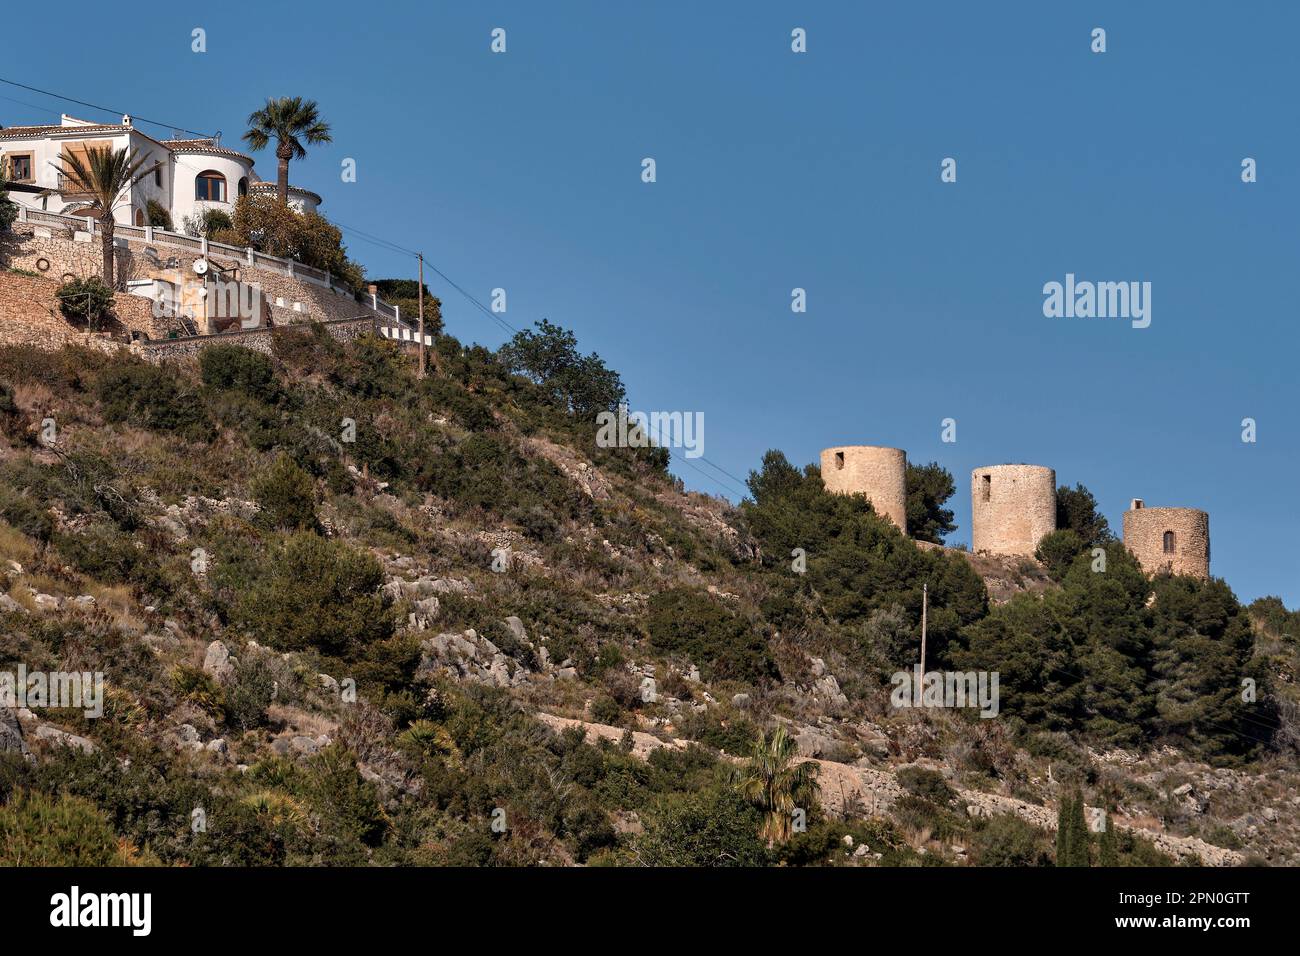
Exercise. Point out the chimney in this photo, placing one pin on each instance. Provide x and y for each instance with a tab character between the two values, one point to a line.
126	120
1135	504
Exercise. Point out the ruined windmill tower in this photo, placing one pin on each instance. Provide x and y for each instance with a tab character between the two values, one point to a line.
1012	507
1168	539
879	473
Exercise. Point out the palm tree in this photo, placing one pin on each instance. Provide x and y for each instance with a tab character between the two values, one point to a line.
287	119
103	174
775	787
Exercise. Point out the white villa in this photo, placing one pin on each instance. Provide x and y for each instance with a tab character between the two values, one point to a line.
190	175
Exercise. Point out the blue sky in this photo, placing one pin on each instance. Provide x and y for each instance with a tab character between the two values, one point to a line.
819	171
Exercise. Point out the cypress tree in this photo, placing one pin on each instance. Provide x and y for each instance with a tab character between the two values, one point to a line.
1071	832
1063	832
1107	850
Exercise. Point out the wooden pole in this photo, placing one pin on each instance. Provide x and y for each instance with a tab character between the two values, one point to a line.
421	292
925	605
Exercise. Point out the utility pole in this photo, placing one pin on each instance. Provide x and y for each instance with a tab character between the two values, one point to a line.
420	256
925	605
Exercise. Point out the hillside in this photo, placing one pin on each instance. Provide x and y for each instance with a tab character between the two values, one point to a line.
348	616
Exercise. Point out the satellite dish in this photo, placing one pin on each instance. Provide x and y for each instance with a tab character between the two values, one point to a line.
201	266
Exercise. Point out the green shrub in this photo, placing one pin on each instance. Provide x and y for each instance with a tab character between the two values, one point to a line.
196	686
345	801
605	710
286	495
690	623
148	396
1006	840
309	592
713	827
86	301
927	784
8	208
26	515
104	552
158	215
232	367
250	693
40	830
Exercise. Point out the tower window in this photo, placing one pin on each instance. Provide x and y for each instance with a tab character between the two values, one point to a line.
1169	542
839	460
986	487
210	186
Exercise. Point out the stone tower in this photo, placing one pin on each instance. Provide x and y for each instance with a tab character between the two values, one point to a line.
1012	507
1168	539
879	473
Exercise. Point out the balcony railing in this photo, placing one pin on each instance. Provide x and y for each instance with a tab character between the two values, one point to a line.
252	257
72	189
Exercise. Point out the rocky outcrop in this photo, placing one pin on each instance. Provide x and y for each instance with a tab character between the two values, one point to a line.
218	663
11	733
862	789
470	657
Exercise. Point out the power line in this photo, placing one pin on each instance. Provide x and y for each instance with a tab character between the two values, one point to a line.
33	106
737	488
102	109
502	323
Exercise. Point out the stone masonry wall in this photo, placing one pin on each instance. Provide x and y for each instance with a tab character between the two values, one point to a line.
30	315
1144	535
1012	507
50	251
259	340
877	472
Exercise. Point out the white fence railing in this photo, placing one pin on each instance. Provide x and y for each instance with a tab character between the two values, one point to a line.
202	246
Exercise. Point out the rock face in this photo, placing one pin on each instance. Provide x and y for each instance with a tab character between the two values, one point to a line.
470	657
217	662
11	733
63	738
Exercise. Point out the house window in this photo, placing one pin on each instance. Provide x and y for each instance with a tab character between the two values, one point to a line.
839	460
157	175
210	186
1169	542
243	185
986	487
20	167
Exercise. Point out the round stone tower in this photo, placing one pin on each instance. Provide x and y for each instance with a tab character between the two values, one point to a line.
1168	539
879	473
1012	507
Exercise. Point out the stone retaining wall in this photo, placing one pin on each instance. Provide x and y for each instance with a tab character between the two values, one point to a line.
259	340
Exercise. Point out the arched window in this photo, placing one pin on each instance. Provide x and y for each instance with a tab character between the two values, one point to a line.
139	217
243	185
1169	542
211	186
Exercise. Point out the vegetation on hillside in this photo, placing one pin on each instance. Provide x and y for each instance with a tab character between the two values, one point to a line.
341	527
